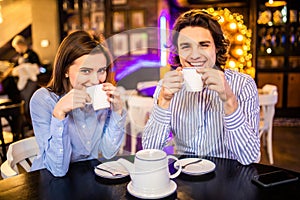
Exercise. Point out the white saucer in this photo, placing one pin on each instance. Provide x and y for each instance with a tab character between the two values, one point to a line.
172	188
203	167
112	166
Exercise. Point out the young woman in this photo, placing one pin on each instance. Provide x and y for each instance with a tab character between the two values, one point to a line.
65	124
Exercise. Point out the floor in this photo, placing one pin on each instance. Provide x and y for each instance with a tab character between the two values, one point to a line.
286	145
286	148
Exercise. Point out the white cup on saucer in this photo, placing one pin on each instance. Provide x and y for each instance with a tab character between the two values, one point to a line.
192	79
98	96
151	173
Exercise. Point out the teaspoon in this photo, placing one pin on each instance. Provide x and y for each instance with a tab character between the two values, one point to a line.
194	162
108	171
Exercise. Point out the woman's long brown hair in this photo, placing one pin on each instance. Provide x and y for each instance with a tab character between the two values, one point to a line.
75	45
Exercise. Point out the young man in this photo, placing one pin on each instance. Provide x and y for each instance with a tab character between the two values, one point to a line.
223	119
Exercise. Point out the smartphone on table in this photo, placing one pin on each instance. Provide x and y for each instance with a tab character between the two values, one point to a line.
274	178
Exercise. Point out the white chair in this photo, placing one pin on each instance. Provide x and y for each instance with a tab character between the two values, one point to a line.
267	101
139	109
22	153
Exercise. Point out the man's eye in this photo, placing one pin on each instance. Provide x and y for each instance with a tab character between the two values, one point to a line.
185	47
204	45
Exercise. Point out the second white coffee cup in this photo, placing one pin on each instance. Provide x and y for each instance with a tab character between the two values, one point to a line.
150	172
192	79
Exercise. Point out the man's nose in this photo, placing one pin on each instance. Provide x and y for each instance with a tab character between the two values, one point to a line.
195	54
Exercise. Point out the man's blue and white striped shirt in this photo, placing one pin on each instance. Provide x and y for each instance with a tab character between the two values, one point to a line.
199	125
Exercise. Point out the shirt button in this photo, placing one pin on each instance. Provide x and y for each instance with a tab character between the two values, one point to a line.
83	126
60	128
60	150
88	142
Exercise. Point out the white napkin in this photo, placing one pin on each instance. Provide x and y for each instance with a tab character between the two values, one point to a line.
25	72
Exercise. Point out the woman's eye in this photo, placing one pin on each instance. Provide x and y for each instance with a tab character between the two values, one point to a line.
102	70
85	71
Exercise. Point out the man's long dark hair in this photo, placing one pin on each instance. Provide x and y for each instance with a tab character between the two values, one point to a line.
199	18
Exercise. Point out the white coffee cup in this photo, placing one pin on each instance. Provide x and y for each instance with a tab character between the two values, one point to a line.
192	79
151	173
98	96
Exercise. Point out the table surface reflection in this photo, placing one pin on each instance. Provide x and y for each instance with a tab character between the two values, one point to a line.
230	180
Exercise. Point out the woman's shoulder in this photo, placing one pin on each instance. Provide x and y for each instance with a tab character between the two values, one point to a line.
44	94
42	91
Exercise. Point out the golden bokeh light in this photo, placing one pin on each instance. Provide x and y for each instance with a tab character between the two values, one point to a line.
240	58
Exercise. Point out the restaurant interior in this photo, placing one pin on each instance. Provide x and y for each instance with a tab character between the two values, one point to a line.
264	36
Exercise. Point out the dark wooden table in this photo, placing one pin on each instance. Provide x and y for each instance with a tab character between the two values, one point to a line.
230	180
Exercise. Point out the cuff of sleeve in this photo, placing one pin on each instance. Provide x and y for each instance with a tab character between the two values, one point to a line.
161	115
57	126
120	119
234	120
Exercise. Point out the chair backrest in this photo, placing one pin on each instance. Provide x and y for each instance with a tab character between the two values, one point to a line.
13	114
267	102
22	152
269	89
139	109
146	84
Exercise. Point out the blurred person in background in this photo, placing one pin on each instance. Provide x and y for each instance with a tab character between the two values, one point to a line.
26	70
25	54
